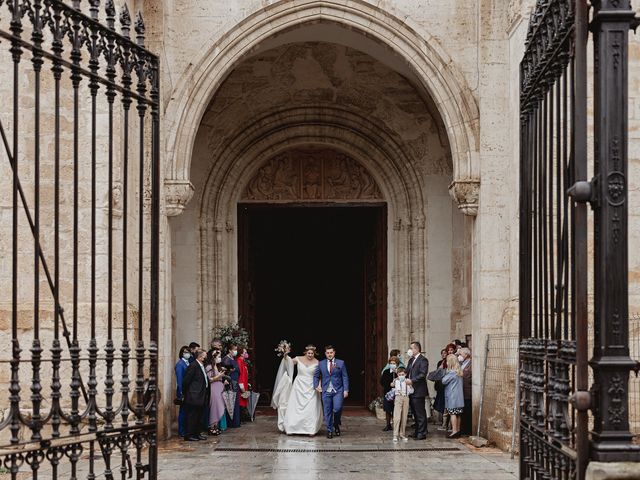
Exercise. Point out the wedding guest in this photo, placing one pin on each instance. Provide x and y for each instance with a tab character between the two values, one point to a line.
180	369
393	353
401	405
452	348
217	420
454	395
386	380
195	387
193	346
417	369
230	363
465	364
216	344
438	403
243	376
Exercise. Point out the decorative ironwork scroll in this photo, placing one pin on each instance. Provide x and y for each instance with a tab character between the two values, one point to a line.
79	123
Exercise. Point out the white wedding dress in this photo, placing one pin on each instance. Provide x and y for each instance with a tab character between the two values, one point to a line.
298	403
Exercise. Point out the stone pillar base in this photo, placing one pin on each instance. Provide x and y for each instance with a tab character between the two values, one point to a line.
613	471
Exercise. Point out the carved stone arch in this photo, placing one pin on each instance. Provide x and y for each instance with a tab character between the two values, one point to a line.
433	69
376	151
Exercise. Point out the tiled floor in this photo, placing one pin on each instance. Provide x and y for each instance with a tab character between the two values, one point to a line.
363	452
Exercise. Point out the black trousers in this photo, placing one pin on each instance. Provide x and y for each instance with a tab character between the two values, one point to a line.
194	420
418	406
466	424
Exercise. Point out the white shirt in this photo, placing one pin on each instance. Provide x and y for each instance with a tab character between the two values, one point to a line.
402	388
330	366
206	377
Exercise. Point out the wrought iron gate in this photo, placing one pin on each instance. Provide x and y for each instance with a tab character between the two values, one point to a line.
555	441
79	175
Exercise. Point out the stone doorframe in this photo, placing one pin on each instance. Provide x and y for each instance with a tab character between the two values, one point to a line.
434	70
382	156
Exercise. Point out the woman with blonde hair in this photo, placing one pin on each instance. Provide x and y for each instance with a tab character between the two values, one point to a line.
453	394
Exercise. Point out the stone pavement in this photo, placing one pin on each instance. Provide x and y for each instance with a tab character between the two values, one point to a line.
258	451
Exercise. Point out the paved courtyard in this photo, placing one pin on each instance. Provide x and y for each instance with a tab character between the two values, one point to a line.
258	451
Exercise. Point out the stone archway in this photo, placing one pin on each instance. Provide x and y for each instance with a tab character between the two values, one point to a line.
432	68
406	151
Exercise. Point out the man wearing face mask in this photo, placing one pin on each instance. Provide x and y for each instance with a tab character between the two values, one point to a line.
181	367
233	370
417	369
195	386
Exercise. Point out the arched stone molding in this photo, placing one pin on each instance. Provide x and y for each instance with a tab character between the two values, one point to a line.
433	68
376	150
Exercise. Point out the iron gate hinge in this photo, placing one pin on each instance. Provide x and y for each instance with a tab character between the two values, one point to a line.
584	191
581	400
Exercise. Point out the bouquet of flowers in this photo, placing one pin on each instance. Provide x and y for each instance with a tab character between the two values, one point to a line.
376	403
282	348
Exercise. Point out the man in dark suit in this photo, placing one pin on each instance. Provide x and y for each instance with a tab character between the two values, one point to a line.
417	370
195	388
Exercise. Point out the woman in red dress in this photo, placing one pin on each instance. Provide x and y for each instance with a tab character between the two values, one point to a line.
243	380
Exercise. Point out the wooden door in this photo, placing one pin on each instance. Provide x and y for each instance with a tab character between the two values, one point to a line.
375	306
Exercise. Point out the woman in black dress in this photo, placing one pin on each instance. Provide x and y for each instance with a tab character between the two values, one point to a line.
438	403
386	380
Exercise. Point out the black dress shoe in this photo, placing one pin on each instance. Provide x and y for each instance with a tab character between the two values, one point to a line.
337	431
191	438
202	437
329	435
412	435
387	428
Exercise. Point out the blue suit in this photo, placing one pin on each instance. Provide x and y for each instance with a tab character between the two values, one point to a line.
181	368
334	385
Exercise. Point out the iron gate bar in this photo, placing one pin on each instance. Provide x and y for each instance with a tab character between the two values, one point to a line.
579	261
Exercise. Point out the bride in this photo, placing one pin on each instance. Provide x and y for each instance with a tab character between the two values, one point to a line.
298	403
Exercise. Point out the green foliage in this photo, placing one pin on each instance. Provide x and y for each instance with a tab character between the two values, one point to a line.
230	334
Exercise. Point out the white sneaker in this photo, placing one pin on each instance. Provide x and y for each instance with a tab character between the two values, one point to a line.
395	439
405	439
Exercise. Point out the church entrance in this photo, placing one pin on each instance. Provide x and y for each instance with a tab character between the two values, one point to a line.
316	274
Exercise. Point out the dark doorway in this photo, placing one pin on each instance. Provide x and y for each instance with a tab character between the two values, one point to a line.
315	274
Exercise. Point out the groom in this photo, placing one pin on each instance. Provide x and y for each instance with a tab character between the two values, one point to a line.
334	388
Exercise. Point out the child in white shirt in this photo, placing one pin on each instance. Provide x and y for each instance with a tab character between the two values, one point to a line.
401	405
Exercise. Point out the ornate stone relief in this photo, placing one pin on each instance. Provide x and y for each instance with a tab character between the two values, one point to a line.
466	194
177	195
312	175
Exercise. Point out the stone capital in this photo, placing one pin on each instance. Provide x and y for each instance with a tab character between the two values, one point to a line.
177	194
466	193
